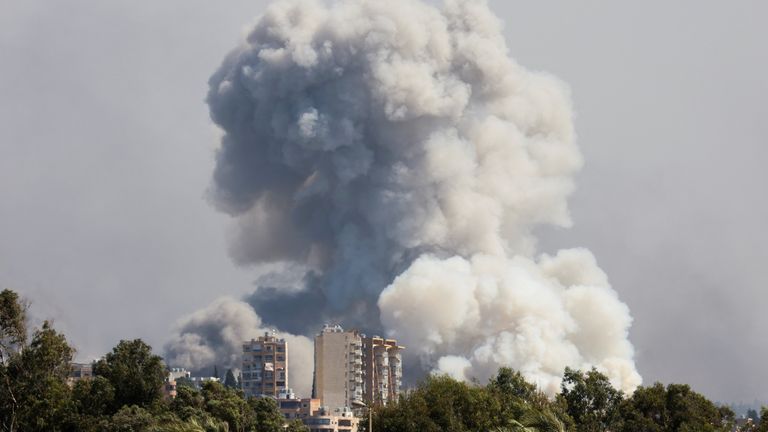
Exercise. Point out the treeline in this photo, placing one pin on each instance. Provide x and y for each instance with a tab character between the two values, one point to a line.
125	395
587	403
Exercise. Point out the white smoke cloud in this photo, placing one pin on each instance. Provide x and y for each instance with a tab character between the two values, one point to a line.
470	317
396	145
215	335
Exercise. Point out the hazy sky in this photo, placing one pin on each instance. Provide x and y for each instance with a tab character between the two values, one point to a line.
106	150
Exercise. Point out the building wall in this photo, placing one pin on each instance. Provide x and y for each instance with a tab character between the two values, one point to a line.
382	364
298	408
338	368
331	423
79	371
265	366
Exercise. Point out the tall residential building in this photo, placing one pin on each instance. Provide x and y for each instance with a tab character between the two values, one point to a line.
351	368
265	366
383	370
338	368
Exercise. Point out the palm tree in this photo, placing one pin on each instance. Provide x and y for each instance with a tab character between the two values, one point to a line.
535	421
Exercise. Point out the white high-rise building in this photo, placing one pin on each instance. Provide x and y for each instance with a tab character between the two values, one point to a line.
350	368
338	368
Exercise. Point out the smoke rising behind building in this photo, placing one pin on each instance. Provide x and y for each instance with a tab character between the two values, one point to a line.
397	159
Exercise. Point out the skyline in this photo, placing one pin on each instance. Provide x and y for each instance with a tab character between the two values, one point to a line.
69	220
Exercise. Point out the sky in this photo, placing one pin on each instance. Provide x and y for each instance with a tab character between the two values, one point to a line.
106	152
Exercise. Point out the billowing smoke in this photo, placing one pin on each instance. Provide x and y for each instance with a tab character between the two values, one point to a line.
215	336
398	159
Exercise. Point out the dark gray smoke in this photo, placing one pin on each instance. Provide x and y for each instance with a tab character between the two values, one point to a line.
396	155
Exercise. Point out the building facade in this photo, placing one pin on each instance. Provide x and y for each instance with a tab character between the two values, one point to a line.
383	370
322	421
351	368
265	366
315	417
338	368
79	371
295	408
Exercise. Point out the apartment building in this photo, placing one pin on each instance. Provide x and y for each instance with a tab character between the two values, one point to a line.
383	370
338	368
351	368
265	366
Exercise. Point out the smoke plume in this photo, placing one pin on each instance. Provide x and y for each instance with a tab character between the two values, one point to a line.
395	156
215	336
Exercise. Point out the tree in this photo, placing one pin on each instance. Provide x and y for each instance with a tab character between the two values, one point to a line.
92	400
135	373
591	400
230	381
266	414
763	425
13	335
296	425
674	408
524	405
227	405
131	419
34	395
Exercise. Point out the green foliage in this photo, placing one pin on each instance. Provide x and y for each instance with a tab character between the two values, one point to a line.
674	408
134	372
266	415
131	419
230	380
227	405
296	426
590	400
33	392
93	397
763	424
507	403
13	328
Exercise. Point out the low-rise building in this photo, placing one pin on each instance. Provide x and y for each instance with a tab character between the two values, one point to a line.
339	421
297	408
198	382
80	371
317	418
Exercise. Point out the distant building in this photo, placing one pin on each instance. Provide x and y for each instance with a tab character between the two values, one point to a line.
338	368
265	366
169	389
339	421
170	386
351	368
383	370
197	382
294	408
79	371
317	418
176	373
